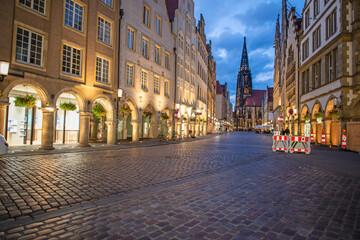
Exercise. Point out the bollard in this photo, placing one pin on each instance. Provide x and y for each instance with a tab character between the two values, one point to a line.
323	137
312	137
343	142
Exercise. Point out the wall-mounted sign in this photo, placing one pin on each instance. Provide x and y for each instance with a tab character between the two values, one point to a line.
291	111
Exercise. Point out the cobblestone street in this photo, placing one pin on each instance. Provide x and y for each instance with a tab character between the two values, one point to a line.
229	186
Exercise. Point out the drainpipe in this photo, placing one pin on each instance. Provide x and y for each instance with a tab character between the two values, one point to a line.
174	125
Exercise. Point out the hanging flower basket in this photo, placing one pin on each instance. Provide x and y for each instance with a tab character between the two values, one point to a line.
99	111
192	119
296	120
164	116
307	117
201	120
146	114
27	101
287	121
68	106
334	114
318	115
184	118
204	121
125	110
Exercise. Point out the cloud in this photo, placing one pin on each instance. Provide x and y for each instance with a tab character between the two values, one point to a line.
221	52
269	65
268	52
264	76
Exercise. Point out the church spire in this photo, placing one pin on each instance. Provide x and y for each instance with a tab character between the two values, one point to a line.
244	58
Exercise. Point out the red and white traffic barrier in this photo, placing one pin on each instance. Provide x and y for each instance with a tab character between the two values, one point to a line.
323	137
300	144
280	143
343	139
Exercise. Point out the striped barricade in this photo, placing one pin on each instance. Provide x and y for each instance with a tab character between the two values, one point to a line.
280	143
300	144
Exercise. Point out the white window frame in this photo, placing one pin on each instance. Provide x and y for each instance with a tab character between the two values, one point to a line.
167	88
32	4
144	80
28	48
145	48
157	53
146	16
73	16
72	63
102	73
156	84
104	28
130	78
108	2
167	60
131	37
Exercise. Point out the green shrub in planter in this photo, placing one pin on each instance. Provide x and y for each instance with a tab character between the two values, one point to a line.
164	116
125	110
68	106
99	111
27	101
146	114
334	114
318	115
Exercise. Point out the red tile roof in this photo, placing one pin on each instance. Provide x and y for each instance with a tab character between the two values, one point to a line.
218	88
171	6
255	100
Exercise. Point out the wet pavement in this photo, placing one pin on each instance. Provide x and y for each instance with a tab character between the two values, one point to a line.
229	186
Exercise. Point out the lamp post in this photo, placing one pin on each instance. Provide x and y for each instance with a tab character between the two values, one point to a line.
118	100
4	70
175	73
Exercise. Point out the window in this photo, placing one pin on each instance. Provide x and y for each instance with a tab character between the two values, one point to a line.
131	39
130	69
156	84
167	89
305	79
316	7
102	70
36	5
104	31
144	80
107	2
181	43
317	72
29	47
145	48
317	38
332	65
167	60
305	49
74	15
146	16
331	24
157	54
158	25
307	18
71	62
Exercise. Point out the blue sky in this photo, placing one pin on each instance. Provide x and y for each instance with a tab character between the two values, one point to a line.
226	24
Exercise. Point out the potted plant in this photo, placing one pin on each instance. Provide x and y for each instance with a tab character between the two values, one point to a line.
68	106
27	101
125	110
164	116
146	114
318	115
99	111
334	114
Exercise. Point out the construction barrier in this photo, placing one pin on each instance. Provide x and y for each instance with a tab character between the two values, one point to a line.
280	143
277	133
343	139
299	144
312	137
323	137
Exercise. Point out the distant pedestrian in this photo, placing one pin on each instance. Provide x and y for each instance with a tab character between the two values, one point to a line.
282	132
287	131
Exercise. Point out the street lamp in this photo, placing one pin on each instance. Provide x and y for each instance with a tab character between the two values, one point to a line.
4	70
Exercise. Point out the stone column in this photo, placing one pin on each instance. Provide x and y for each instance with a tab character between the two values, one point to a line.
3	118
169	130
313	129
153	130
328	132
204	129
178	129
47	136
192	127
135	131
111	132
197	130
94	125
125	127
296	132
186	126
84	129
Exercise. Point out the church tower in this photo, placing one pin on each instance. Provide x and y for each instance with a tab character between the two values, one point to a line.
244	81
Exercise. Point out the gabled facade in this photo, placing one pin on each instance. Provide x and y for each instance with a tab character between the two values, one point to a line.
267	107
